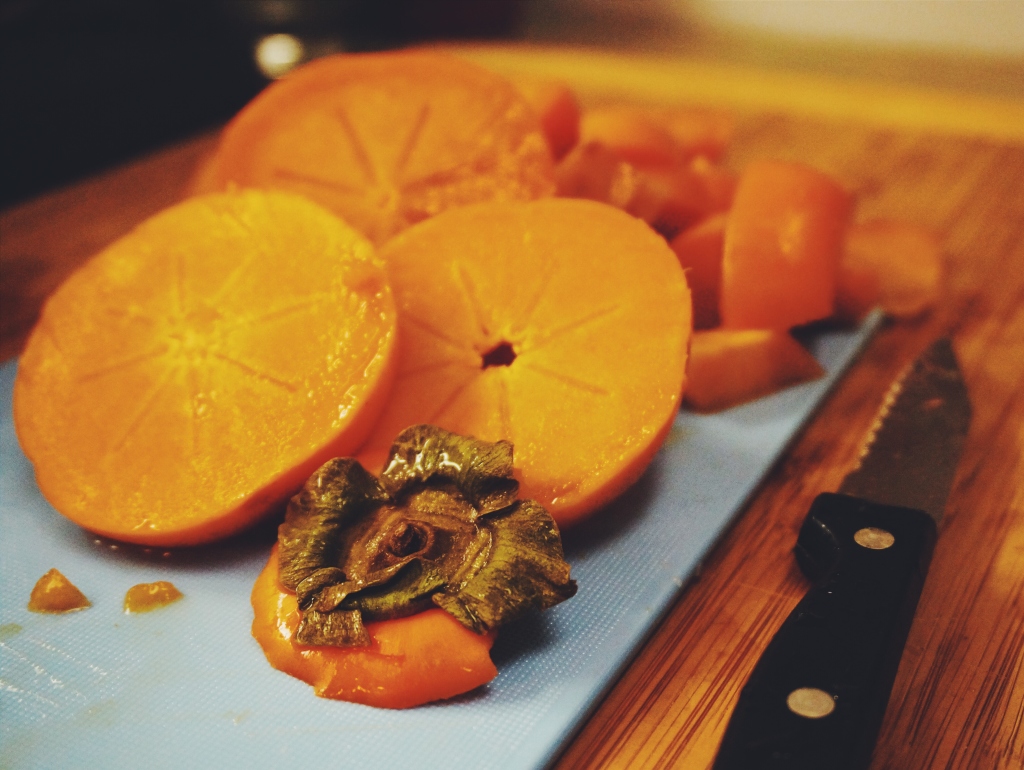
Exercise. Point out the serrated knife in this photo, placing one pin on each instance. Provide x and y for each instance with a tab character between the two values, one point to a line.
816	697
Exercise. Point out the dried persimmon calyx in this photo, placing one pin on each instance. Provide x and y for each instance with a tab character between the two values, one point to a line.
442	527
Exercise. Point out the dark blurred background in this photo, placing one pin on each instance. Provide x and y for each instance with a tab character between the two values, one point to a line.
86	84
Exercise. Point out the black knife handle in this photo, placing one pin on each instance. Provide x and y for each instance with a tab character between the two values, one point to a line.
840	647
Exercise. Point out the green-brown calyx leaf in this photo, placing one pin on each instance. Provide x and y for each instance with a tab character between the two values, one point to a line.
442	527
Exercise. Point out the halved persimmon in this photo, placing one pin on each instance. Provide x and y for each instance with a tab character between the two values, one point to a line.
560	325
388	139
196	371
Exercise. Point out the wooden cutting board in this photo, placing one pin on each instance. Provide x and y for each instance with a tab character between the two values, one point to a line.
949	161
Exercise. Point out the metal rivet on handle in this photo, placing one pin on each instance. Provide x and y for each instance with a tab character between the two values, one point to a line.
811	702
874	538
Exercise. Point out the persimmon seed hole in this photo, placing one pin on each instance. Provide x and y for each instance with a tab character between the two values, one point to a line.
502	354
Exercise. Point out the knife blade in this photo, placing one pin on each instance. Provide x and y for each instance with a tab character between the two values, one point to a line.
816	697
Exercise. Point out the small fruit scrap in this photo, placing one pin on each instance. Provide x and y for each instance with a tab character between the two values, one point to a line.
441	529
54	593
146	597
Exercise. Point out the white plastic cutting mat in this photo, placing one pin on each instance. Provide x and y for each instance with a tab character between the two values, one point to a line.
187	686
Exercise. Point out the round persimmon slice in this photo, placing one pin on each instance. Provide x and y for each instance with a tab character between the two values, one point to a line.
410	661
196	371
388	139
560	325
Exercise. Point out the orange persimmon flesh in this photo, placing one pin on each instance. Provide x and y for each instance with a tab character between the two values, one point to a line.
387	139
413	660
783	244
895	265
198	370
732	366
560	325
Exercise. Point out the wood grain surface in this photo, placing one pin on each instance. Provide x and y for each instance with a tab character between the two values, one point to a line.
959	695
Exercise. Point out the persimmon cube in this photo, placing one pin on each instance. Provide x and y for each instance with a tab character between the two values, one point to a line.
594	172
783	243
699	249
896	265
719	183
669	197
732	366
858	290
558	109
699	131
635	134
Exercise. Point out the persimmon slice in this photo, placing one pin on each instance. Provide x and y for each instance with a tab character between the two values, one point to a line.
560	325
414	660
387	139
199	369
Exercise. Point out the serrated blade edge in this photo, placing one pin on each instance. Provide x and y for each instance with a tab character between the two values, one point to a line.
911	453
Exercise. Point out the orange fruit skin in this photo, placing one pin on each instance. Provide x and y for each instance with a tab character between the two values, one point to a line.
596	310
193	374
783	244
412	661
388	139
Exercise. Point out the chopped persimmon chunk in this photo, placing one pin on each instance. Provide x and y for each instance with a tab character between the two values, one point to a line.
729	367
699	249
783	243
558	110
633	134
895	265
